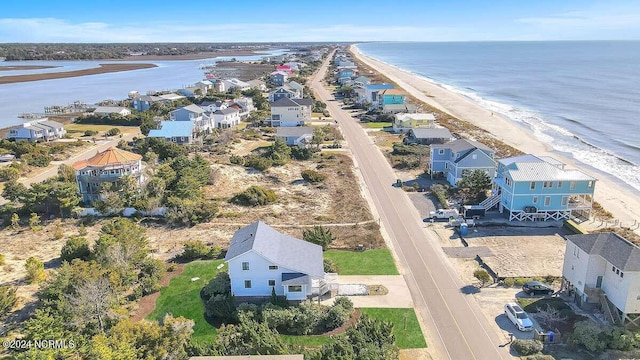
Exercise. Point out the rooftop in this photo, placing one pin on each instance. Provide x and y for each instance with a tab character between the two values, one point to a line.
462	145
531	168
286	131
111	156
169	129
435	133
612	247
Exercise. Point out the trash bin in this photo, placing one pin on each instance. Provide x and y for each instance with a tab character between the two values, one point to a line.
551	336
463	229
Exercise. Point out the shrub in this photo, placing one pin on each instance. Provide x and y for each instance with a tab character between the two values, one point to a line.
338	314
257	162
589	335
330	266
90	133
8	299
509	282
76	247
254	196
237	160
35	270
482	275
527	347
300	153
113	132
34	222
538	357
188	212
319	235
313	176
440	192
217	298
197	250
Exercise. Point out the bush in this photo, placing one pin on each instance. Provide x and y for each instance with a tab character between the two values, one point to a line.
300	153
113	132
482	275
8	299
35	270
330	266
589	335
237	160
440	192
527	347
257	162
254	196
90	133
538	357
217	298
186	212
313	176
338	314
197	250
319	235
76	247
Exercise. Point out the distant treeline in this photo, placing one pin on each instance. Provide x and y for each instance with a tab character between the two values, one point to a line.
118	51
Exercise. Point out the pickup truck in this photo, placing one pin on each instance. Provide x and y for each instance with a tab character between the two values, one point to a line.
443	214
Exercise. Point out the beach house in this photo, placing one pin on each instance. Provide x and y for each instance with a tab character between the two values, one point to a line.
262	260
108	110
107	166
604	269
234	83
37	130
226	118
144	102
452	159
290	112
179	132
278	78
404	122
428	136
387	98
295	135
370	93
538	188
282	92
195	114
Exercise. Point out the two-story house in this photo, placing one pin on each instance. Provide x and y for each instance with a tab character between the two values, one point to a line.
370	93
261	260
454	158
144	102
108	110
535	188
388	99
278	78
37	130
193	113
179	132
604	268
107	166
290	112
226	118
282	92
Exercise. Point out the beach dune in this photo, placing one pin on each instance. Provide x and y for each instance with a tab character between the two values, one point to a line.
623	202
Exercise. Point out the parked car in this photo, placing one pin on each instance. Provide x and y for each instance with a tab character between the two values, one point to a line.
518	317
537	287
444	214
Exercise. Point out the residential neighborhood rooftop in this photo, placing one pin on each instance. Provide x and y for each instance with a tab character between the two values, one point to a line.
532	168
285	131
285	102
461	145
169	129
439	133
108	157
285	250
612	247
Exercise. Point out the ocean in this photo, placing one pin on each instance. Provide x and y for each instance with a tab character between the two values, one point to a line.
582	97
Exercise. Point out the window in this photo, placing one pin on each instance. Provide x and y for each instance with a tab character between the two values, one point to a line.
559	184
474	156
446	165
533	185
535	199
617	272
572	185
547	200
621	274
272	283
547	184
295	288
441	152
565	200
590	184
247	284
245	266
613	268
273	267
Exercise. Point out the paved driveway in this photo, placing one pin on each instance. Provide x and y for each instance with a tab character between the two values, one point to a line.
398	296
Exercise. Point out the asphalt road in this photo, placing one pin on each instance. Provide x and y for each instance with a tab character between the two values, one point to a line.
456	327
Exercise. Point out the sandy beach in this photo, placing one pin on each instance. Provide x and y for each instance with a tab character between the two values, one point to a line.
25	67
623	203
103	69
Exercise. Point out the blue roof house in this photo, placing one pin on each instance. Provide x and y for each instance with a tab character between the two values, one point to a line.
261	259
179	132
454	158
532	188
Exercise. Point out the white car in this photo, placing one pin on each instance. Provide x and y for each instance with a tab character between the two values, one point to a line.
518	317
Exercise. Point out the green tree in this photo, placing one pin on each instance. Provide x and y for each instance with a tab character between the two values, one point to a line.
8	299
254	196
474	185
76	247
249	337
35	222
15	222
35	270
312	176
14	191
217	298
319	235
66	173
279	152
482	275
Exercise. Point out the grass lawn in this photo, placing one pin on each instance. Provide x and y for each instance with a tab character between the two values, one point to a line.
306	340
376	125
79	129
182	298
405	326
369	262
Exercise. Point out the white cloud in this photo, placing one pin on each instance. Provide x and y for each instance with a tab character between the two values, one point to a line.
58	30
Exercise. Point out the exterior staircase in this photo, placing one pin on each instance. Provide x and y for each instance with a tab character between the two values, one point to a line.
611	314
490	202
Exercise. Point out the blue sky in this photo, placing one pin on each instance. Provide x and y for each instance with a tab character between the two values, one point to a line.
317	20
